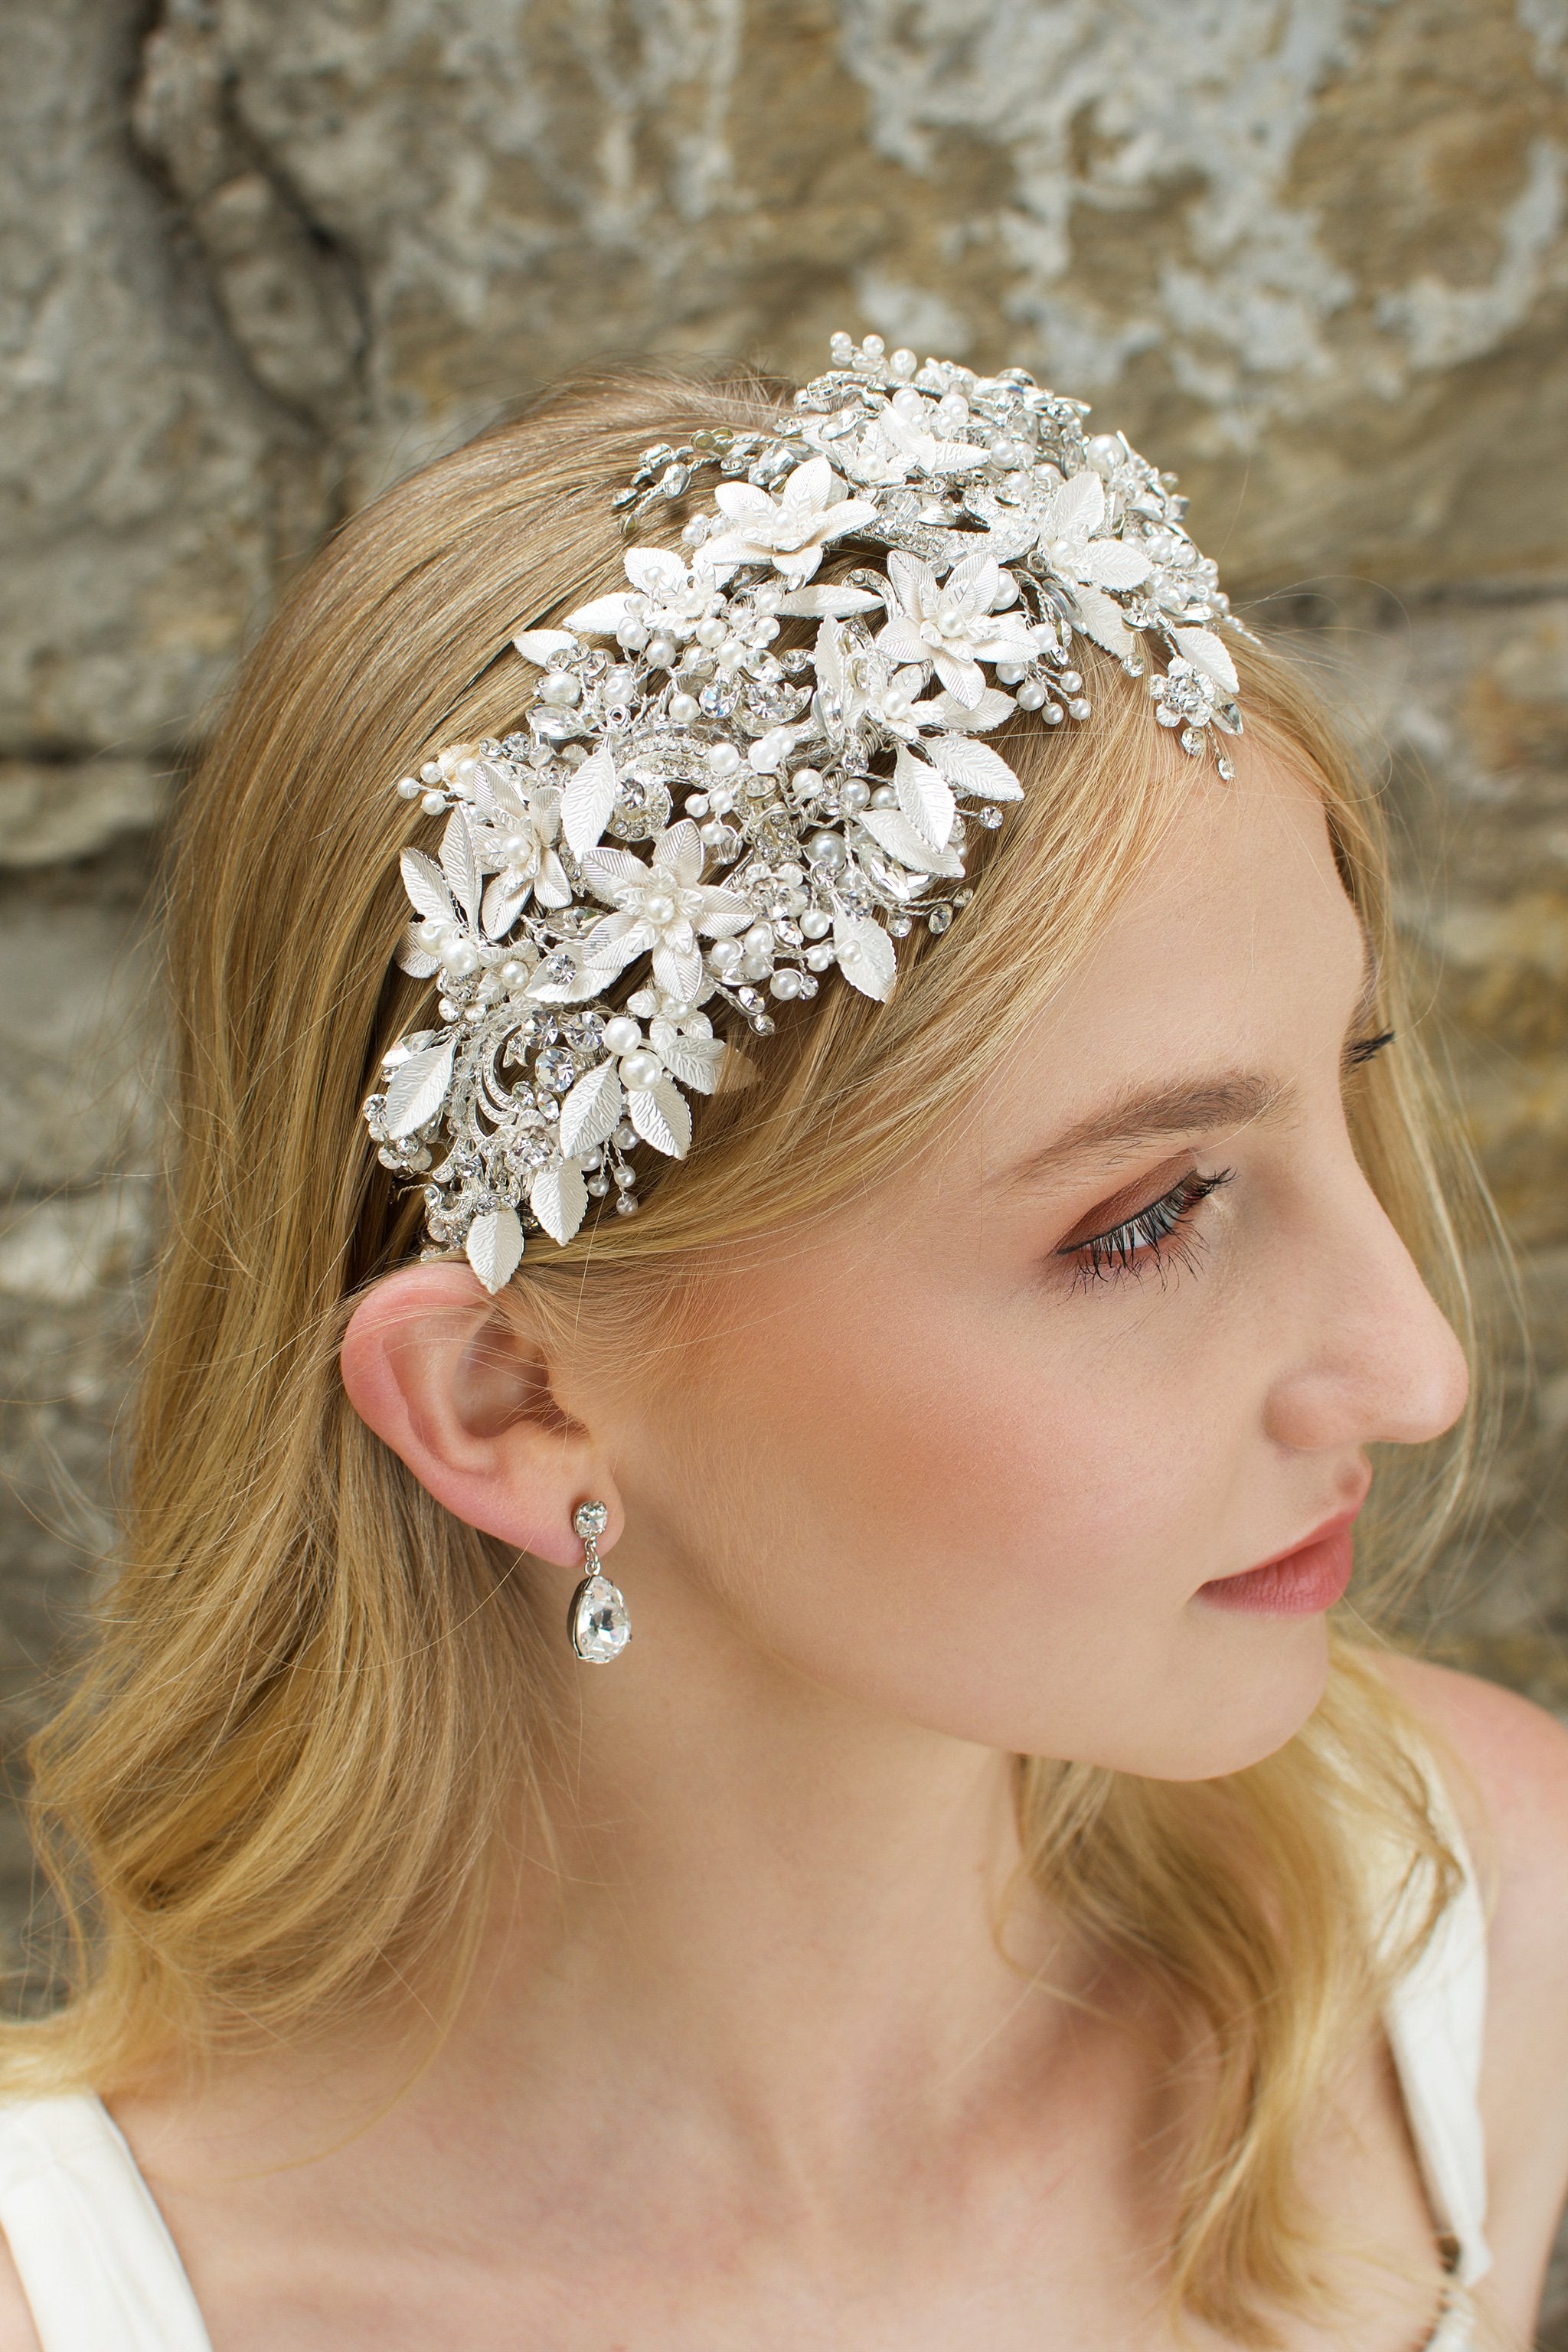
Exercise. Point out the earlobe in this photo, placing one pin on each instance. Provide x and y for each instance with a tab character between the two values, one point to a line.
433	1367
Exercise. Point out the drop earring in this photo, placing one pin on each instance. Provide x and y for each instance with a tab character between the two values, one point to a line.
596	1623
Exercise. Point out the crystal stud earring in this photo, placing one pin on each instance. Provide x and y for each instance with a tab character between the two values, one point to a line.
597	1623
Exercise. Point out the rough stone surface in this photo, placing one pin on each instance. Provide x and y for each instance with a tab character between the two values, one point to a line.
257	259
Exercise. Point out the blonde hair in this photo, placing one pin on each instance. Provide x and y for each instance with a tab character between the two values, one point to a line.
311	1692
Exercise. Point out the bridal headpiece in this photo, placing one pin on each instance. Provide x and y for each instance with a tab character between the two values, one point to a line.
684	808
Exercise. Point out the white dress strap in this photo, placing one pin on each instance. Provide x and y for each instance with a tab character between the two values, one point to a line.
1435	2021
94	2255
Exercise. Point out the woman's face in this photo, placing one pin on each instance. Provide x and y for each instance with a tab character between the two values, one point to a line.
954	1456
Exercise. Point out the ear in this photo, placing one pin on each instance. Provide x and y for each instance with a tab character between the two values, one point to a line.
444	1376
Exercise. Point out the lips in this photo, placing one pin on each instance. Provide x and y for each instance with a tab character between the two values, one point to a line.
1298	1583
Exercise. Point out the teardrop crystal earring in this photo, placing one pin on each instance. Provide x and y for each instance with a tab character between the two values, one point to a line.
596	1623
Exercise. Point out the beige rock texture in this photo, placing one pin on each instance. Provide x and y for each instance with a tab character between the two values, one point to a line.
260	257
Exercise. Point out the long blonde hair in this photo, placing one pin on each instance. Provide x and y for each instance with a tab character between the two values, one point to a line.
310	1692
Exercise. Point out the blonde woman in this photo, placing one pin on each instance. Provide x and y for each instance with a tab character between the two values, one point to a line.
916	983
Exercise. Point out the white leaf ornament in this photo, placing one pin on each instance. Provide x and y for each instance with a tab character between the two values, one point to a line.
1099	617
865	955
694	1060
1211	654
426	887
586	802
590	1110
460	863
660	1117
974	767
417	1088
894	834
494	1245
536	646
925	798
559	1199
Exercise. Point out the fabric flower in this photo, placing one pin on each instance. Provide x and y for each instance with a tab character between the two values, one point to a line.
665	595
1068	524
791	531
517	848
660	909
893	447
950	623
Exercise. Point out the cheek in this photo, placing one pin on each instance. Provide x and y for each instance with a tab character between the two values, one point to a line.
955	1456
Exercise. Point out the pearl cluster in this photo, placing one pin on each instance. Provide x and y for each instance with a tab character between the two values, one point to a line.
689	820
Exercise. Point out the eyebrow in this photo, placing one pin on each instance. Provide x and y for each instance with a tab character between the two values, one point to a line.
1186	1107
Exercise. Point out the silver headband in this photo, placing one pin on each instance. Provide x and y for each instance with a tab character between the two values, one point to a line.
827	795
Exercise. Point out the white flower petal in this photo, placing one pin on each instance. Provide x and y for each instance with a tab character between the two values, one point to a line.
964	680
925	797
505	898
680	848
657	572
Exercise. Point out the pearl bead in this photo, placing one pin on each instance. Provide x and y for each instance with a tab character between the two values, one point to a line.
711	631
625	1138
820	958
598	1186
432	803
659	906
408	788
855	797
697	804
724	760
460	957
884	797
1078	707
432	936
631	634
684	710
826	849
1104	452
759	939
561	689
784	984
641	1069
1070	682
805	781
661	651
1031	694
724	955
815	923
621	1035
513	973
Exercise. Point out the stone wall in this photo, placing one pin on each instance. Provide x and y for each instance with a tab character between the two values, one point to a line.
262	258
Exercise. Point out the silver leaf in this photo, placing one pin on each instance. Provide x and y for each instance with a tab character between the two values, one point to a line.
586	802
925	797
971	767
1100	617
827	601
559	1199
1210	654
418	1089
426	887
494	1245
414	959
503	904
694	1060
536	646
460	863
590	1110
660	1117
897	836
865	954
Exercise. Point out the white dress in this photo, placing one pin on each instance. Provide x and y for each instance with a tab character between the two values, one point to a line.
100	2271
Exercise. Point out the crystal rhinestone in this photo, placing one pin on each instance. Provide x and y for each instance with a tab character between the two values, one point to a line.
589	1519
939	918
599	1626
555	1068
1227	768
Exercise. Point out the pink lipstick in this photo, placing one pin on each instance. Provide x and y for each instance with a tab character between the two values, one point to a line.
1297	1583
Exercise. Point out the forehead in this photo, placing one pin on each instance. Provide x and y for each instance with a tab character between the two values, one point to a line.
1236	945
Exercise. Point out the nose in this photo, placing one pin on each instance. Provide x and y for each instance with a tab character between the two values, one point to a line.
1375	1359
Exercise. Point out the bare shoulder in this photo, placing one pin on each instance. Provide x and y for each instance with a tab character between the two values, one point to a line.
1512	1794
17	2333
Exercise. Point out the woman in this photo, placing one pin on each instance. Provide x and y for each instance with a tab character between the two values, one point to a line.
984	1901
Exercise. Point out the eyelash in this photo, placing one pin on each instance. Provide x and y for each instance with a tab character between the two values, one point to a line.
1164	1228
1155	1234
